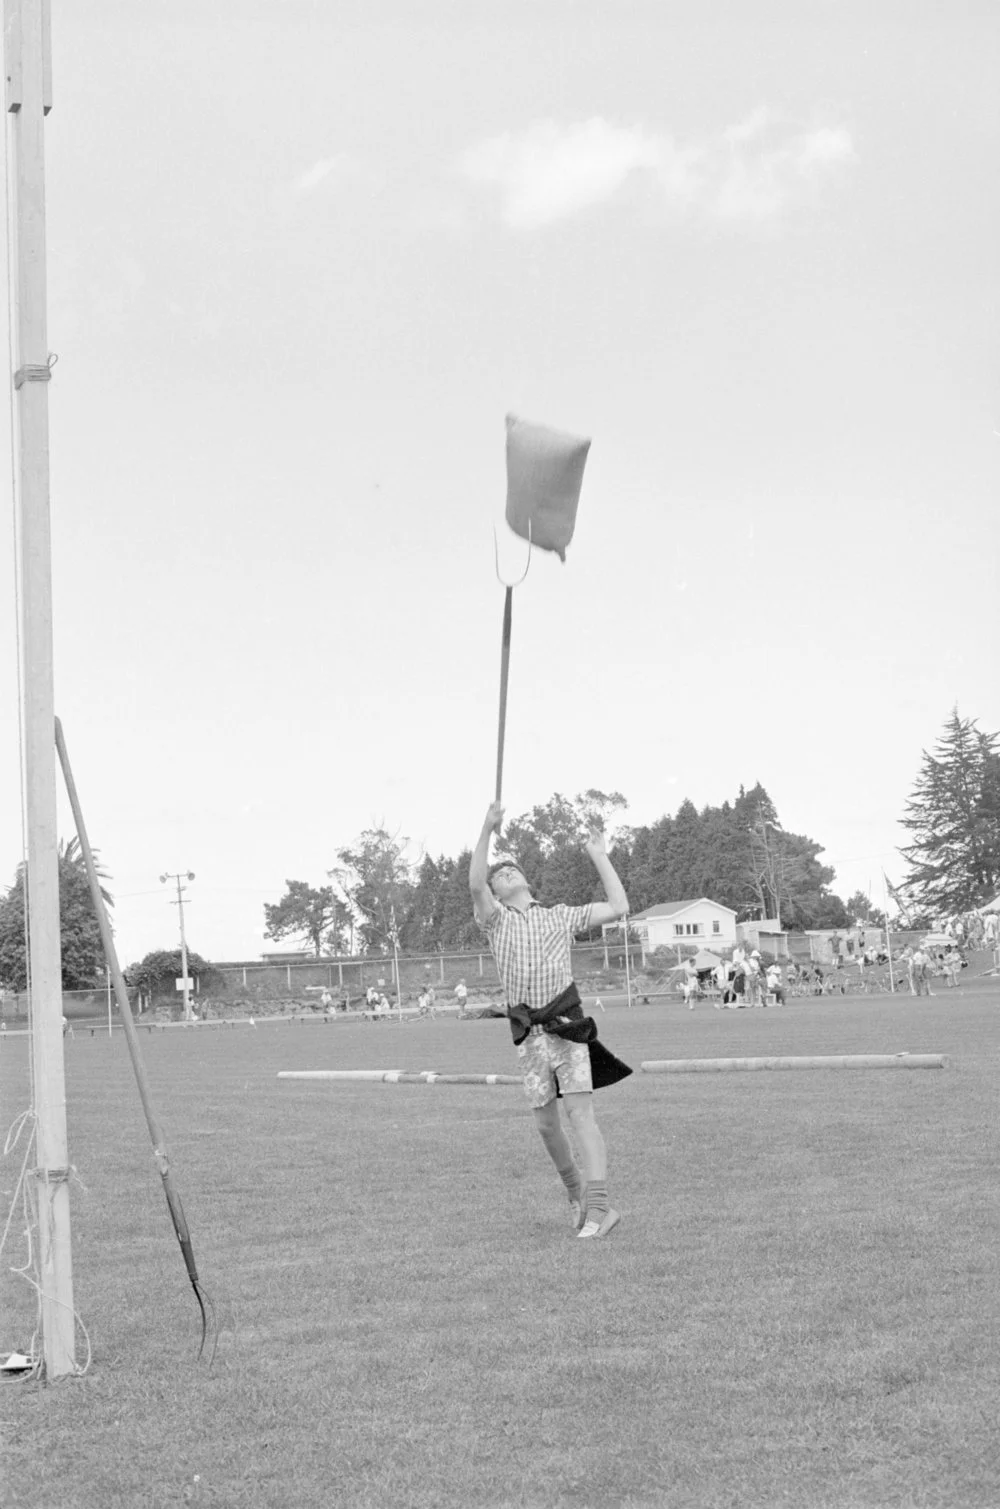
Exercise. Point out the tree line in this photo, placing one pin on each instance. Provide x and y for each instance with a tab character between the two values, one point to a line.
738	854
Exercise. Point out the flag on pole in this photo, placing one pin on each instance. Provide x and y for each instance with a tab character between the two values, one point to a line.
900	903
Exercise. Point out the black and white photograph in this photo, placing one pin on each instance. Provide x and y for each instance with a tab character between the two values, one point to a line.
500	755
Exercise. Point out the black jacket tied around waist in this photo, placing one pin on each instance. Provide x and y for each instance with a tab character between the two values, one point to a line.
564	1017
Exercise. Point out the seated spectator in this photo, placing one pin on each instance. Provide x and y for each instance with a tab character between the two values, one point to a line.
952	967
774	985
425	1002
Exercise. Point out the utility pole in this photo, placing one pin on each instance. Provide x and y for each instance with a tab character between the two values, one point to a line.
394	934
27	66
179	904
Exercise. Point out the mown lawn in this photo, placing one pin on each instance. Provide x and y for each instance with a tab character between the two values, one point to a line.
799	1307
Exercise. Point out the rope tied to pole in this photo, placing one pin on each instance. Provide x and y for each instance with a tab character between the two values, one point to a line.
35	372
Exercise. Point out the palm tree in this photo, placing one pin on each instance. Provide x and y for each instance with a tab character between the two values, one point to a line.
71	856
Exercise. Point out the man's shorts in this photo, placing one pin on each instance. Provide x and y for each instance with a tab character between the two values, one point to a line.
546	1059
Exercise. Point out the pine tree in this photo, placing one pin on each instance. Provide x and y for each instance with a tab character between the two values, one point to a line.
421	927
953	815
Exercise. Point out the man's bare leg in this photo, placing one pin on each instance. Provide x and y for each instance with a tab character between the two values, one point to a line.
553	1134
594	1159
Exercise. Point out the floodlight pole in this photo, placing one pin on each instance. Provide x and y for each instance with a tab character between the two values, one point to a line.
27	65
179	904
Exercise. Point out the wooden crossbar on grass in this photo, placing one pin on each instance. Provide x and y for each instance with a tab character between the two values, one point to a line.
401	1077
834	1061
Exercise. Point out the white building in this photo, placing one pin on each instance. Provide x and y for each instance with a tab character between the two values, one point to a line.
768	935
705	923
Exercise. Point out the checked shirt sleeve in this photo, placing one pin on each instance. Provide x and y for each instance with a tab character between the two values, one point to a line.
577	918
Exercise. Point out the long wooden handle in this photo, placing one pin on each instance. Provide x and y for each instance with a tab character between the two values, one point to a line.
504	672
160	1154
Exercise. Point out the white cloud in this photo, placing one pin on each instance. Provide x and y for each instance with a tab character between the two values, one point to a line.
341	168
823	146
758	185
756	122
748	172
548	171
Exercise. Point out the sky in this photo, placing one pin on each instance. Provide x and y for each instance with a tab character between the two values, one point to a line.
303	259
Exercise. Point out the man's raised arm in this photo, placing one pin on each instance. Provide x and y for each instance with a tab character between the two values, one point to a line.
617	903
482	897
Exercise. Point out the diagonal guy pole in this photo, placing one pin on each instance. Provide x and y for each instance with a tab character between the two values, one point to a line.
132	1038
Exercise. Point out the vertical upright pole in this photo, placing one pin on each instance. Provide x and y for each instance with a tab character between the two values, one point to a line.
107	971
628	972
179	904
184	953
28	79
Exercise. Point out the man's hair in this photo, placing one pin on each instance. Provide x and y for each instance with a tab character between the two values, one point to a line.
503	864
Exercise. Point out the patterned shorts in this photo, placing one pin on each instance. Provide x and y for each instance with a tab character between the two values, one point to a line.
544	1059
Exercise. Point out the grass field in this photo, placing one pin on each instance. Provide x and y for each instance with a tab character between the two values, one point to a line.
800	1305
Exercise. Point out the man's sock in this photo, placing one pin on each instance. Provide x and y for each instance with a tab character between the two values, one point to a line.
597	1200
570	1176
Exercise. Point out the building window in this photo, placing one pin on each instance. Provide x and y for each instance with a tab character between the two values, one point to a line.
715	927
678	929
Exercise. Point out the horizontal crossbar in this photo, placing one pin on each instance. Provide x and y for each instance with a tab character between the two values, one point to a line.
401	1077
835	1061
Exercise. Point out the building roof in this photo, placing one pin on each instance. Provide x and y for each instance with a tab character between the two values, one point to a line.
703	959
673	908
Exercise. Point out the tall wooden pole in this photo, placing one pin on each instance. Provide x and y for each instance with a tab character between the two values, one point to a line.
28	98
508	609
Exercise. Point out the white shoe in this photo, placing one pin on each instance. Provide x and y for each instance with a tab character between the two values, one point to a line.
595	1228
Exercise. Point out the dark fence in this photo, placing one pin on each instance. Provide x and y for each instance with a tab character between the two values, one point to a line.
296	979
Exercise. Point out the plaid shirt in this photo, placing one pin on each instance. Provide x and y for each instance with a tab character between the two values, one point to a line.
532	949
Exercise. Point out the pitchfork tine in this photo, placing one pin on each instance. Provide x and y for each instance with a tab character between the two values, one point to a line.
496	556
